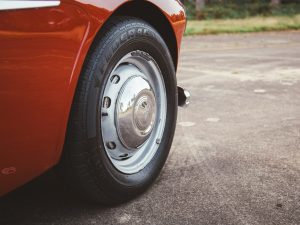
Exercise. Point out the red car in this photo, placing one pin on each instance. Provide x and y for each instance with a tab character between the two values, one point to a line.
89	86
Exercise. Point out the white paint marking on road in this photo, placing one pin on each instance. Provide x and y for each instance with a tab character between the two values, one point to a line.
287	83
213	119
187	124
260	91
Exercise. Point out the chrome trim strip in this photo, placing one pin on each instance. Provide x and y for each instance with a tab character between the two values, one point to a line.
14	4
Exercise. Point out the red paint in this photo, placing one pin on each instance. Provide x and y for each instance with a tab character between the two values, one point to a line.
41	55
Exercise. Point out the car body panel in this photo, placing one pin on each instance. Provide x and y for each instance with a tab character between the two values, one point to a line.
42	54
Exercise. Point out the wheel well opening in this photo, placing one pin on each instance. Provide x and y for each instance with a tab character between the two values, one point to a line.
153	15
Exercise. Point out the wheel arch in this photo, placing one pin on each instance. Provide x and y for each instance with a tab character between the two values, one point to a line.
158	14
153	15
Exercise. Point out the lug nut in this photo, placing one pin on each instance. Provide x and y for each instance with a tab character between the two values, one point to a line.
111	145
115	79
106	102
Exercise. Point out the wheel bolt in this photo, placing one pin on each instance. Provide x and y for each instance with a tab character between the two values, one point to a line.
115	79
106	102
111	145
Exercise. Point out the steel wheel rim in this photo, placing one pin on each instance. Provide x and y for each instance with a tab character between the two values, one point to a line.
136	82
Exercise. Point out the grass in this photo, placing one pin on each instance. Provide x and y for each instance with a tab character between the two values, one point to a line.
251	24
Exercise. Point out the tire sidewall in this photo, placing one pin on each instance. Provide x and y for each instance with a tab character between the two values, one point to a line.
137	36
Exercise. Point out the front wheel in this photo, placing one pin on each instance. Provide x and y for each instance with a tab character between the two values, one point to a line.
123	115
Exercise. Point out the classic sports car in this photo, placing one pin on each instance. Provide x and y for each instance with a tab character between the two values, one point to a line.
89	86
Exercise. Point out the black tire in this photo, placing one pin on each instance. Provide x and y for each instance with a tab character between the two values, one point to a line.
85	164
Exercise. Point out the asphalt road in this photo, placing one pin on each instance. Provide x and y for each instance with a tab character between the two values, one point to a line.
236	153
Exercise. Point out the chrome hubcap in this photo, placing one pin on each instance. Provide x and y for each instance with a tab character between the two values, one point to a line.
133	112
136	111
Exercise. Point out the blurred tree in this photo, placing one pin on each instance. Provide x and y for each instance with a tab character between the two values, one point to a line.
199	4
275	2
225	9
